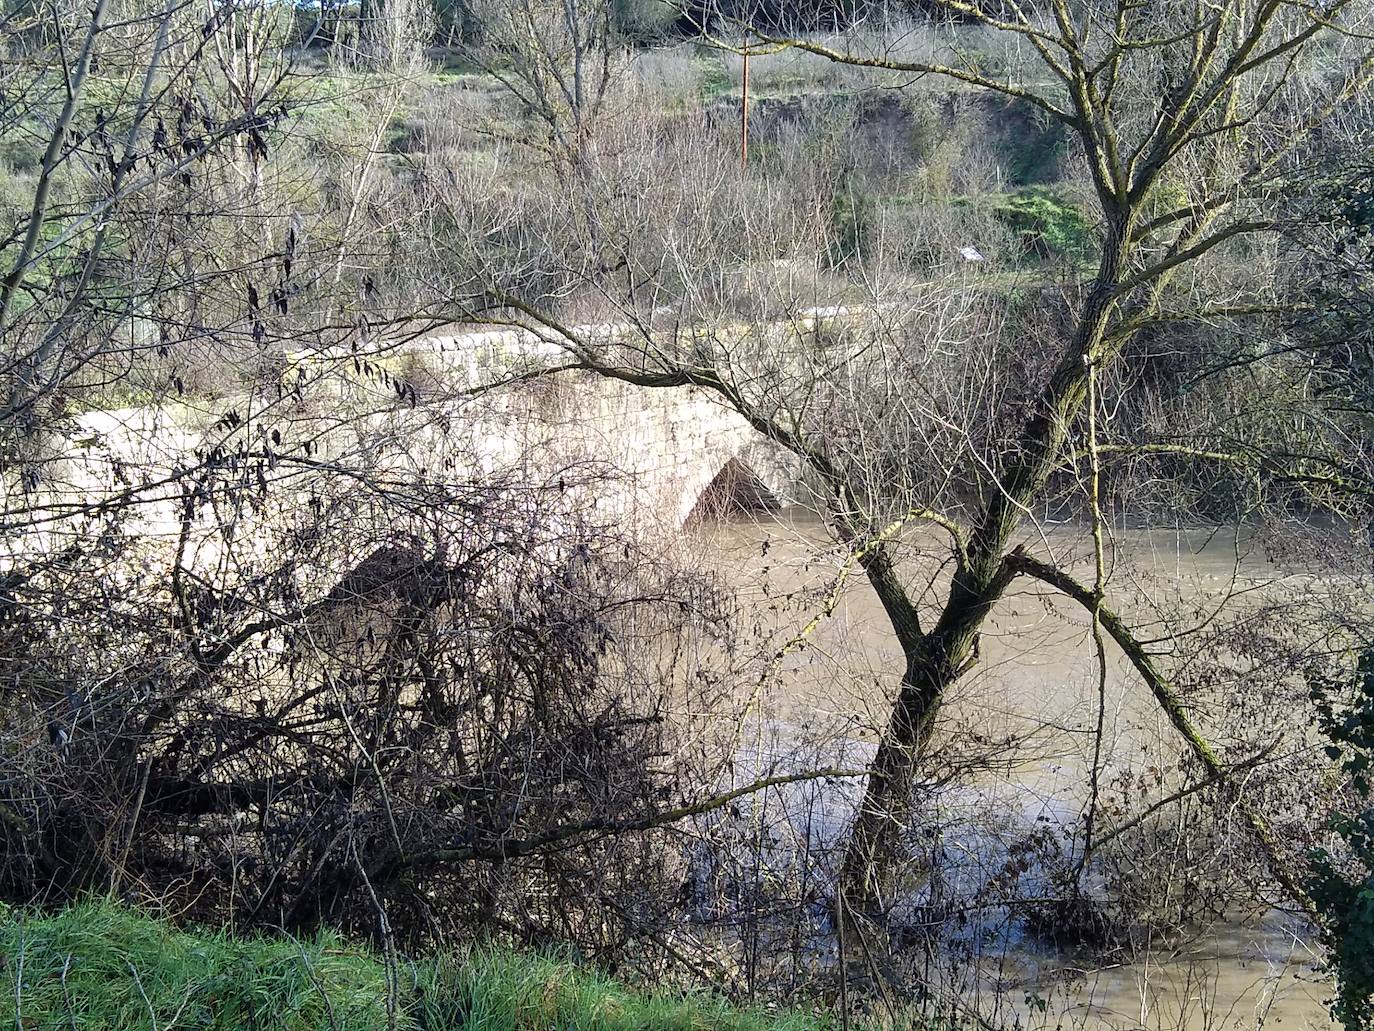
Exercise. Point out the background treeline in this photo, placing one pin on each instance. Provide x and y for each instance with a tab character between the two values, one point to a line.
640	21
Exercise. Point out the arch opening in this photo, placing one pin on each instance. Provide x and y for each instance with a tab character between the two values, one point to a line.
735	489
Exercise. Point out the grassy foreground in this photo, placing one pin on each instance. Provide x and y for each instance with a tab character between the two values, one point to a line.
100	965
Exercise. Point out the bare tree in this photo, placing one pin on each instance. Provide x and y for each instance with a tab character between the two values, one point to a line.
953	408
555	59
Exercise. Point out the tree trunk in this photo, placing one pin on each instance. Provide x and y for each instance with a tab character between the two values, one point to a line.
938	657
934	662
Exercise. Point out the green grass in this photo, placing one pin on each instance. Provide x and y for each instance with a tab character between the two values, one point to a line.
100	965
715	81
504	991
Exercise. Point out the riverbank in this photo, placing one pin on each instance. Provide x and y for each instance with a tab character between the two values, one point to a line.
101	965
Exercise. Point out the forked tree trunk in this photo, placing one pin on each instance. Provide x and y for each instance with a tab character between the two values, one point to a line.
937	657
935	661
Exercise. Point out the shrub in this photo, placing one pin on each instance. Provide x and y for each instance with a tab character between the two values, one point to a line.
1047	225
645	21
1342	880
850	213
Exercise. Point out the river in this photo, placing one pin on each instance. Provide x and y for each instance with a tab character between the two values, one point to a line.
1020	732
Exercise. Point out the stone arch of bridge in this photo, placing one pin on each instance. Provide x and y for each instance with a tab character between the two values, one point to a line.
755	475
733	486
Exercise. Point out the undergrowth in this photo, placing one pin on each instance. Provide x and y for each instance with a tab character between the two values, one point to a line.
101	965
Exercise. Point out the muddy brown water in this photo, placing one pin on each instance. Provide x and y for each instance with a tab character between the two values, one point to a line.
1037	682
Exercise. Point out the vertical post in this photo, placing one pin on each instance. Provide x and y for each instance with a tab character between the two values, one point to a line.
744	109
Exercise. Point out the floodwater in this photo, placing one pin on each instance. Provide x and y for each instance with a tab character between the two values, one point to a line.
1020	731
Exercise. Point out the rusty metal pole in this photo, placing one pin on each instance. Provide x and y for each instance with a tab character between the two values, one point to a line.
744	110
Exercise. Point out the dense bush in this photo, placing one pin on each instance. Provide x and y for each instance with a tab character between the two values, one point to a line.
381	704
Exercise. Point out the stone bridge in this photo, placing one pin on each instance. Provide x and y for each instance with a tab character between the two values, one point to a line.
654	455
671	451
